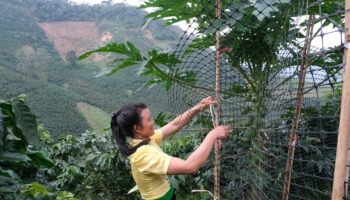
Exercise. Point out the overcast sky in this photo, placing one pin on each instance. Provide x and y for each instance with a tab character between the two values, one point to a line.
130	2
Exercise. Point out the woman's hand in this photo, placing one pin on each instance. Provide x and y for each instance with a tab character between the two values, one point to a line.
220	132
185	117
200	155
204	103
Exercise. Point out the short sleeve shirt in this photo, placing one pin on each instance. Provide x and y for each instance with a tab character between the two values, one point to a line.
149	165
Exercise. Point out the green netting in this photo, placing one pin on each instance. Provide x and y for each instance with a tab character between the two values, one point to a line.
261	54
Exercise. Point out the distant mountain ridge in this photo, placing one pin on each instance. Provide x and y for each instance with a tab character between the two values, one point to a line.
39	43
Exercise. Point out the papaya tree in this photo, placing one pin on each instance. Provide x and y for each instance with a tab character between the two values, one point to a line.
264	41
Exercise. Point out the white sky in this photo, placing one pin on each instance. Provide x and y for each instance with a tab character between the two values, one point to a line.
130	2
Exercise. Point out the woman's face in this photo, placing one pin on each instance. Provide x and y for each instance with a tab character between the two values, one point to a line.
147	124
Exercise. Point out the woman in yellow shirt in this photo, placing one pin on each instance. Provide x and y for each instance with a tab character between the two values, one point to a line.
133	131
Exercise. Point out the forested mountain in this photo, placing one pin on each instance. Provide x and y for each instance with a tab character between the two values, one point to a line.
40	41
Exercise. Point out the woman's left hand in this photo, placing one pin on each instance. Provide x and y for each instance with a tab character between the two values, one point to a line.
204	103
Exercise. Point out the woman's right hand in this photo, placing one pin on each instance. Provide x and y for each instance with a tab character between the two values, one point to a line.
220	132
200	155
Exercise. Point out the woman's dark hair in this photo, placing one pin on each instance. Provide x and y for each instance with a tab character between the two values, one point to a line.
122	124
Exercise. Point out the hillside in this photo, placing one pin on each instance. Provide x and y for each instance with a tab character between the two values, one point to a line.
97	118
40	41
71	36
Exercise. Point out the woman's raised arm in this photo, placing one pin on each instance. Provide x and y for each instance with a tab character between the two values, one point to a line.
200	155
185	117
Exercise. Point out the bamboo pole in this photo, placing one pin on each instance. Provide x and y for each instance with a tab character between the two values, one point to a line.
341	161
294	136
217	98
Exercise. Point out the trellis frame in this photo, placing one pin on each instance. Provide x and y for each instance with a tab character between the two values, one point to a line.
297	110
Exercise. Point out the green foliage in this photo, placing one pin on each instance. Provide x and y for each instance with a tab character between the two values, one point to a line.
317	131
97	118
89	166
173	11
148	66
36	190
257	29
29	63
162	119
19	121
20	155
182	147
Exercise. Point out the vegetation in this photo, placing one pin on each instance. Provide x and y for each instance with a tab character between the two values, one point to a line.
30	64
37	165
260	69
21	156
33	165
97	118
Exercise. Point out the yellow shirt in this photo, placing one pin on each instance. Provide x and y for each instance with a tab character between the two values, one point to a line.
149	165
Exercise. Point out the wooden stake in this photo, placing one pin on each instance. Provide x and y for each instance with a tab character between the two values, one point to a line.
217	113
340	171
294	136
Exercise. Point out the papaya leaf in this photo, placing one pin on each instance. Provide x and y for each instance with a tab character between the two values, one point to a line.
157	65
173	11
124	64
127	49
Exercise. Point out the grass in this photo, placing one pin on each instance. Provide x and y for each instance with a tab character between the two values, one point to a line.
96	117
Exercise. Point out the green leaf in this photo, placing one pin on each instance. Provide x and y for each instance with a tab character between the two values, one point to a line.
26	122
13	157
166	59
34	189
6	179
2	129
64	195
162	119
15	145
151	83
39	159
21	97
127	49
152	66
8	175
124	64
6	109
134	53
173	11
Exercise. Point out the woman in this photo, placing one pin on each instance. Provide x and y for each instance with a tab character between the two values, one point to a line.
133	130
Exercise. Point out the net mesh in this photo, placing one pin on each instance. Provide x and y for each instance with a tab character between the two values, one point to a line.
264	46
